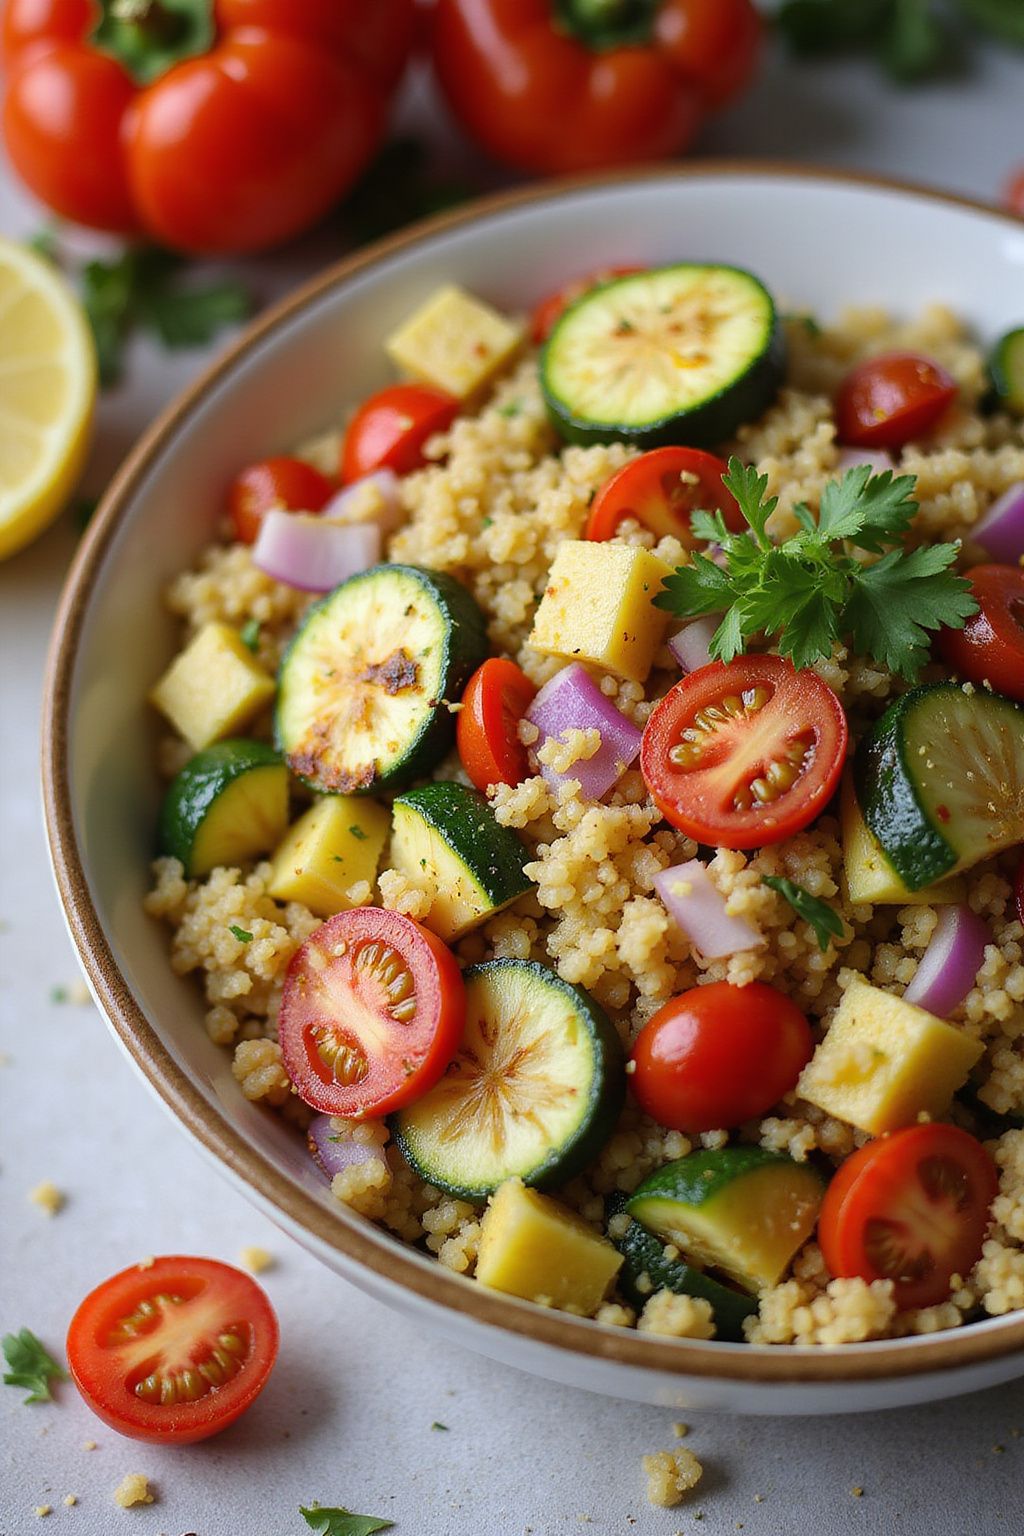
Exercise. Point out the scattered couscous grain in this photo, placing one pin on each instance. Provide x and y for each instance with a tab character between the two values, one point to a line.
48	1197
42	1510
133	1489
70	1499
256	1260
670	1476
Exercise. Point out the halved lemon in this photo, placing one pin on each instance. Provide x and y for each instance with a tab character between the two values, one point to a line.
47	394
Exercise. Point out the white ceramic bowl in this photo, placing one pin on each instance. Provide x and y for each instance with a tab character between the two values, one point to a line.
820	242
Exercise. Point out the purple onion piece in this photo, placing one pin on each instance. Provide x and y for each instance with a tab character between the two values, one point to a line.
1001	531
332	1156
690	646
573	701
313	554
877	459
949	966
698	906
374	499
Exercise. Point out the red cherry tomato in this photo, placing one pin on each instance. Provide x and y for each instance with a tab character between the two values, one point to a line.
550	310
746	753
1014	194
719	1055
287	483
662	489
173	1351
389	429
372	1013
990	647
892	400
497	697
911	1207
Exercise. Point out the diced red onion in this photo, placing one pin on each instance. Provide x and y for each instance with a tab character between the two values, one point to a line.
1001	531
876	458
312	553
573	701
690	646
332	1156
949	966
373	499
698	906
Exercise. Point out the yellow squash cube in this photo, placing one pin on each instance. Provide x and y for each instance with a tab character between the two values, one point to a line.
455	342
870	878
531	1246
335	845
213	688
885	1062
598	606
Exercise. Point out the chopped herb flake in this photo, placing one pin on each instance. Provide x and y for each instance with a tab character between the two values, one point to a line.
827	924
241	934
358	834
249	634
436	1425
342	1522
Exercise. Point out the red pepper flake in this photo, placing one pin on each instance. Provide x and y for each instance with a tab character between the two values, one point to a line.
943	812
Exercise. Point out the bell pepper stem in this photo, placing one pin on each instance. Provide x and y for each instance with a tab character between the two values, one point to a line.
149	37
604	24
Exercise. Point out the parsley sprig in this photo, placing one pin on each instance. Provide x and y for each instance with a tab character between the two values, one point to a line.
825	921
812	591
911	39
31	1365
342	1522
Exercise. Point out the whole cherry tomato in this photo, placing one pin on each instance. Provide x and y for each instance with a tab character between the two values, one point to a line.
226	125
290	484
389	430
662	489
911	1207
719	1055
173	1350
565	85
497	697
892	400
990	647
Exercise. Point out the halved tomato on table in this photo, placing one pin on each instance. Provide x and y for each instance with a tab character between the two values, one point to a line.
371	1014
497	697
173	1350
912	1208
662	490
744	753
989	650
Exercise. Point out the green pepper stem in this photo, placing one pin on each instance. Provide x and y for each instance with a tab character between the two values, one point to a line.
608	23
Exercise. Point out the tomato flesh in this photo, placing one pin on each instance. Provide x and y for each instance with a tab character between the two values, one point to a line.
912	1208
990	647
497	697
371	1014
662	489
892	400
744	753
719	1055
283	482
551	309
173	1350
390	429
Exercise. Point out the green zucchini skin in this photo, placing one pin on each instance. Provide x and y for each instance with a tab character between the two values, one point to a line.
895	795
1006	370
482	851
598	1114
194	791
462	639
696	1179
704	424
645	1254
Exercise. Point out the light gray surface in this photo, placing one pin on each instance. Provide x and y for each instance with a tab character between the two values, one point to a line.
347	1416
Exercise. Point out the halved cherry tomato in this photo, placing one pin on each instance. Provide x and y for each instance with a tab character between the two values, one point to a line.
911	1207
550	310
497	697
389	429
662	489
173	1350
372	1012
745	753
719	1055
282	482
892	400
990	647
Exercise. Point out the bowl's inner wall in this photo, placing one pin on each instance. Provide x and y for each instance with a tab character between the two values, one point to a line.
819	246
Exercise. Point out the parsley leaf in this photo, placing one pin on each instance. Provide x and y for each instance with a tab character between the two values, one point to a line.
241	934
826	923
895	602
342	1522
868	510
31	1366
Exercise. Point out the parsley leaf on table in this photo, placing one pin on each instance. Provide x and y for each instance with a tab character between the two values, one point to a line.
826	923
31	1366
810	591
342	1522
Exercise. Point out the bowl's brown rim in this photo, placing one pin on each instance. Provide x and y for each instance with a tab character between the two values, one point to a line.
355	1240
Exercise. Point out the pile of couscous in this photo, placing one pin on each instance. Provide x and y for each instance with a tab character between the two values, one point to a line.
497	495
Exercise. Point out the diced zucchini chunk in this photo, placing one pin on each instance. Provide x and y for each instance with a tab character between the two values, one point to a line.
213	688
649	1265
533	1247
885	1062
227	805
870	878
455	342
598	606
335	845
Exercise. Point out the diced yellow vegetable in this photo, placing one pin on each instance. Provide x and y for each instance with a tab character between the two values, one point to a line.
333	846
214	688
599	607
454	341
531	1246
885	1062
870	878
